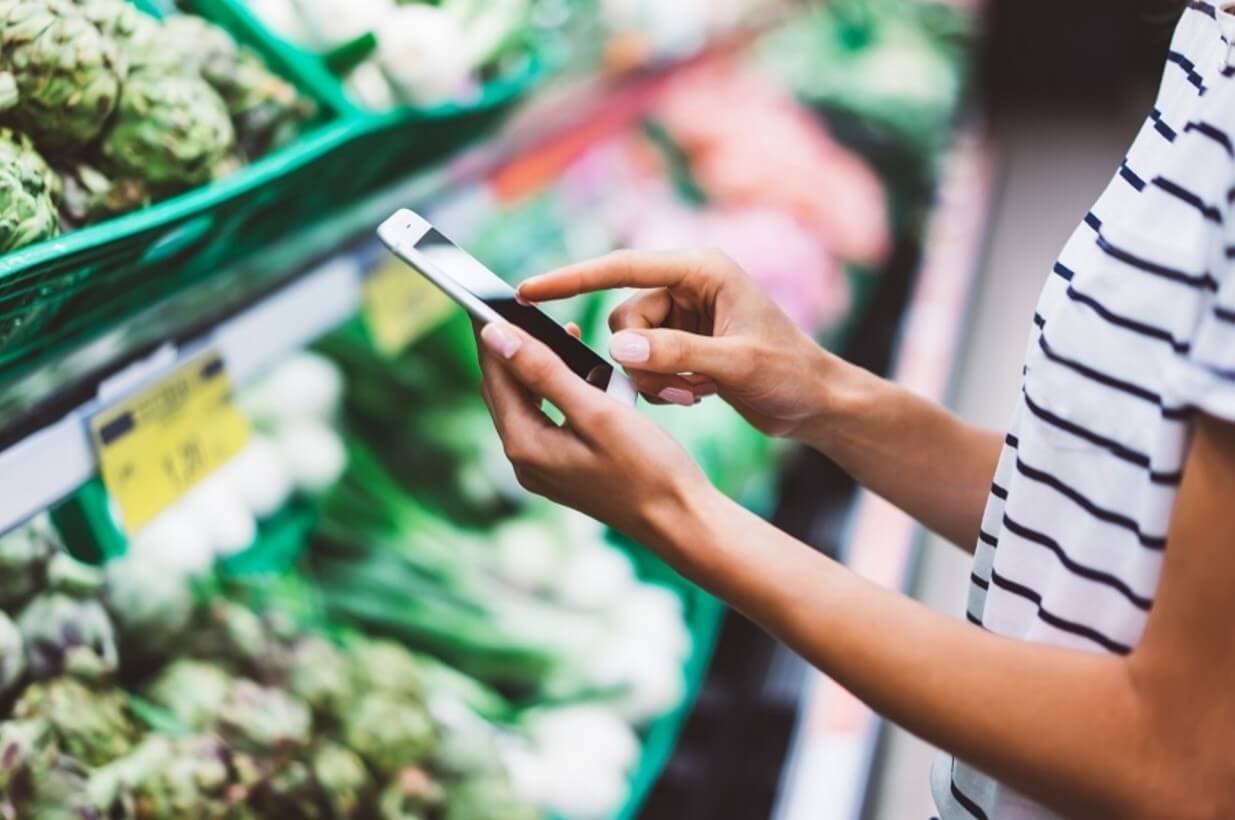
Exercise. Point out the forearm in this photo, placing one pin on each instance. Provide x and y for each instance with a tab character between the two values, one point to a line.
1041	719
914	453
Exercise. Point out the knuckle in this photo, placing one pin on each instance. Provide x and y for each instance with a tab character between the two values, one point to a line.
602	419
671	349
620	317
746	359
525	478
513	453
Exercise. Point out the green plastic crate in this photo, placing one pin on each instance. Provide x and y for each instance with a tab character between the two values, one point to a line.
437	130
57	293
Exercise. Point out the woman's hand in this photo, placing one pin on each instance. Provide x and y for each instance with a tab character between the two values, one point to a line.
607	460
701	326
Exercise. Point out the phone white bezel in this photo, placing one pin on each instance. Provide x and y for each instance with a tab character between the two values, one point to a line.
400	233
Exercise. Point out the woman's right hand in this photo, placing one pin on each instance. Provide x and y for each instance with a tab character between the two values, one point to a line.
699	325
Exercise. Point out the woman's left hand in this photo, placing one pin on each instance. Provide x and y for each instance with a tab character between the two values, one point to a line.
607	460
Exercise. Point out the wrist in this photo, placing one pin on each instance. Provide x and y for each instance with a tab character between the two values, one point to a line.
682	517
838	392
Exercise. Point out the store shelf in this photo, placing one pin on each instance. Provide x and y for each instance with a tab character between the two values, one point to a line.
48	465
833	752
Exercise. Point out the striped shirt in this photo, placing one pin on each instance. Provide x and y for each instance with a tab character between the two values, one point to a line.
1133	336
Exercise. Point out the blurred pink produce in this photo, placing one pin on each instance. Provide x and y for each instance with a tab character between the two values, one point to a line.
790	264
751	143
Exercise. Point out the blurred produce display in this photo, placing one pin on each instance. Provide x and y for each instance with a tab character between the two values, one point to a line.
231	714
407	53
126	108
362	615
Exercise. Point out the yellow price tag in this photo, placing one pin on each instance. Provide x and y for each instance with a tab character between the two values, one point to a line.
158	444
400	306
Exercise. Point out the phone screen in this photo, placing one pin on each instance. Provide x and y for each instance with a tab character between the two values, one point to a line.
486	286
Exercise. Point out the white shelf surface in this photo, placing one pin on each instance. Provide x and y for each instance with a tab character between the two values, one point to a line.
48	465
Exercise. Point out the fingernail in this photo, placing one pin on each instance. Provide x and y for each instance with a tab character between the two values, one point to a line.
501	339
630	348
676	395
525	302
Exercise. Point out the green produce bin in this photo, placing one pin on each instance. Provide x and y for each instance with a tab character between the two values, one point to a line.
437	130
60	292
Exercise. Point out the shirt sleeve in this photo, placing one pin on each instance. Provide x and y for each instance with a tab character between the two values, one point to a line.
1203	377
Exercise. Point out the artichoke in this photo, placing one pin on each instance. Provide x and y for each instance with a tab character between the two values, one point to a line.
265	108
61	74
135	34
24	555
195	777
25	746
290	791
150	607
487	798
386	666
29	190
319	674
411	795
12	658
170	131
64	635
57	790
94	727
231	633
92	196
389	732
342	776
263	719
192	691
68	575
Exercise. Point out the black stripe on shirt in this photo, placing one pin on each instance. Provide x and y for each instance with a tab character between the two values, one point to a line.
1116	449
1215	134
974	619
986	538
965	800
1160	125
1063	271
1189	68
1210	212
1204	8
1131	176
1039	320
1012	441
999	492
1126	323
1069	563
1097	376
1152	542
1226	374
1225	314
1229	251
1091	219
1204	280
1062	624
980	583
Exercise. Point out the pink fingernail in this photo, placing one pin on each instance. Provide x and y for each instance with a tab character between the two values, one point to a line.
676	395
501	339
630	348
526	303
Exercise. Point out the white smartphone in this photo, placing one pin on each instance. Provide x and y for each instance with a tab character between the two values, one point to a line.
489	299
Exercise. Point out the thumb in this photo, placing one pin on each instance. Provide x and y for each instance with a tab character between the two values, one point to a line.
540	370
661	350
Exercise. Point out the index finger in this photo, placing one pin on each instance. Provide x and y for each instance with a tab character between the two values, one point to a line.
619	269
